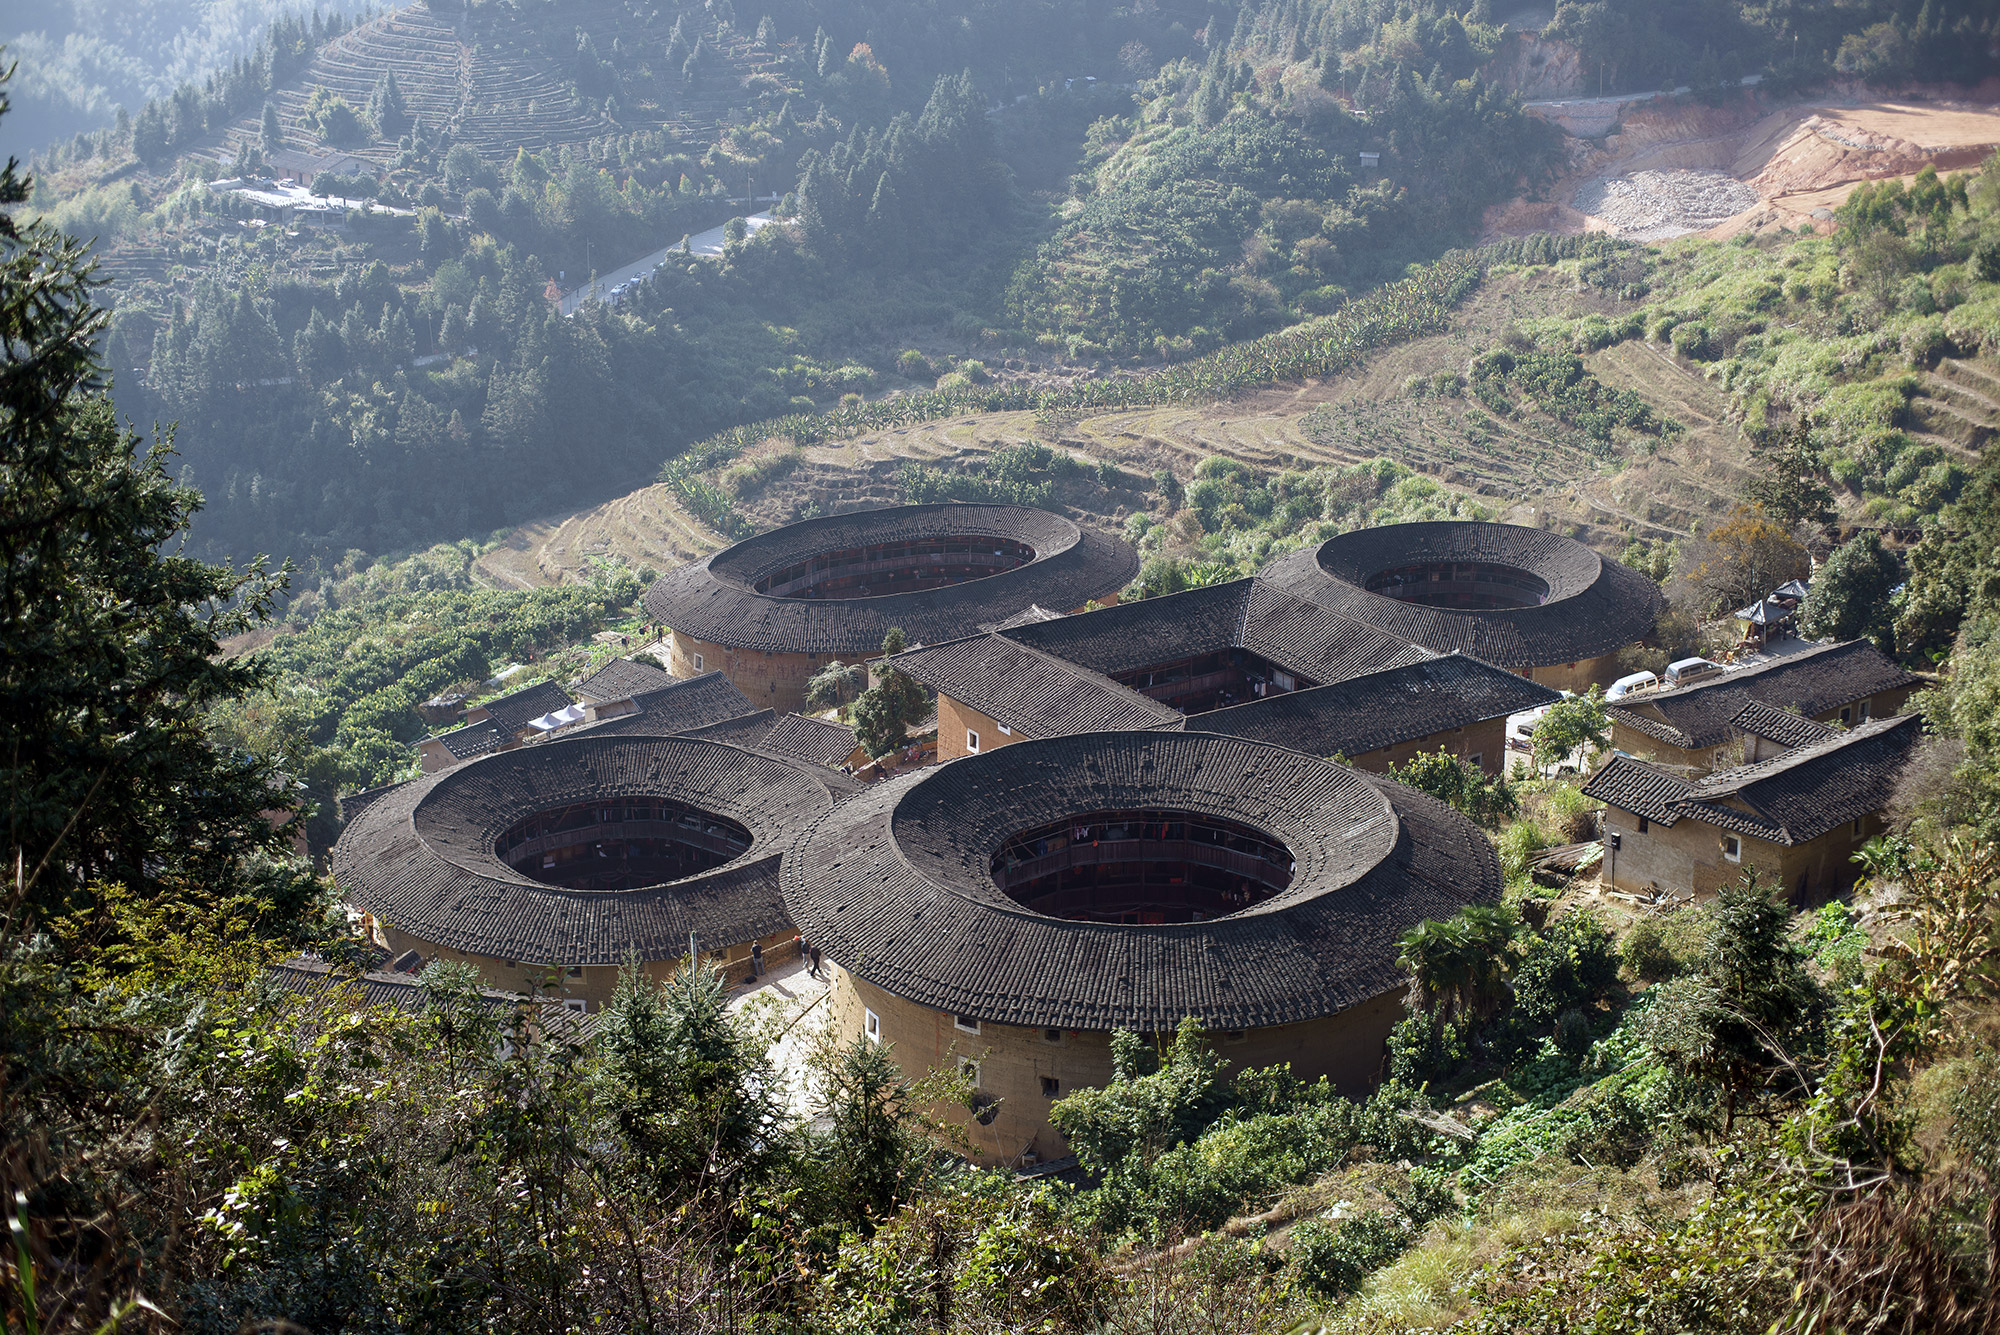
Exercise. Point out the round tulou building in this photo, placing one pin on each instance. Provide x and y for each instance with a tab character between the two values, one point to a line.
772	610
1011	909
1535	602
555	863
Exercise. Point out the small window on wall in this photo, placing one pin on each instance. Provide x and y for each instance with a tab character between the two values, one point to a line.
871	1025
1005	731
965	1024
580	1007
1642	825
1863	715
576	971
1051	1035
698	665
1732	848
1846	715
1859	821
1051	1087
969	1070
971	740
1475	759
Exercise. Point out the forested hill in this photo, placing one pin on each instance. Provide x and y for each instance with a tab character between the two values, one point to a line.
1039	190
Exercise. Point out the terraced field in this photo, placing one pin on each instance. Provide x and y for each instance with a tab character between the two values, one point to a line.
495	87
1527	467
1958	408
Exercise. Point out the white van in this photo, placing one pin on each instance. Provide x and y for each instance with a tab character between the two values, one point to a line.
1636	684
1691	670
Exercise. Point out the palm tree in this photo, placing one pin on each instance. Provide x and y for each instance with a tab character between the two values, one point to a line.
1459	967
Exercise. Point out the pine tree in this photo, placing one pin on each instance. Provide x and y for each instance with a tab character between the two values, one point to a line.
109	639
272	135
385	107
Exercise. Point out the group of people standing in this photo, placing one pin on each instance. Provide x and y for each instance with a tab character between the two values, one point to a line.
807	951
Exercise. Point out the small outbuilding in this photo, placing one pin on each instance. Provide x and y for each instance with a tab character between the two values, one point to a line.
1693	728
1795	818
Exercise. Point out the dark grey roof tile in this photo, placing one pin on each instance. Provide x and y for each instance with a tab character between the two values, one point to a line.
1813	682
715	599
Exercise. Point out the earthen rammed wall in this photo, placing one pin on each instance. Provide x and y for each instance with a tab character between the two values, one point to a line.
1013	1062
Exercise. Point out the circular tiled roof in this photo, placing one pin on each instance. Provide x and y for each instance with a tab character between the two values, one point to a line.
897	885
1594	606
422	857
715	599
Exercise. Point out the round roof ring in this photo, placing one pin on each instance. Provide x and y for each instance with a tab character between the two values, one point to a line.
1130	879
837	584
586	850
1514	596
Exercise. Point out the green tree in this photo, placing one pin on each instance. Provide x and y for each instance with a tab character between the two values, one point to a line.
110	652
1459	967
1140	1116
883	713
1568	964
688	1088
1578	721
1729	1026
334	119
1452	779
1792	488
873	1148
836	684
1851	594
271	134
385	106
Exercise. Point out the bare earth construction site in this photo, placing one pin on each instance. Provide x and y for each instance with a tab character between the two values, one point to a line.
1652	170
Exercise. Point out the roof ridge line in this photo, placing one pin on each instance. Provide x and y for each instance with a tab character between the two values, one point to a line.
1747	775
1073	670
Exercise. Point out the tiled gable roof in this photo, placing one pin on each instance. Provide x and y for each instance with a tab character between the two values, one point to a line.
622	679
1325	645
517	709
714	599
1139	634
1757	719
1813	682
1298	635
423	856
403	991
811	739
1382	709
793	736
895	884
1036	692
680	707
1793	797
1593	607
473	739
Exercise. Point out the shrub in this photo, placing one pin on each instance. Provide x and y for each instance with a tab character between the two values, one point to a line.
1518	843
1693	341
914	365
1568	965
1645	953
1331	1259
1570	814
1573	1032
